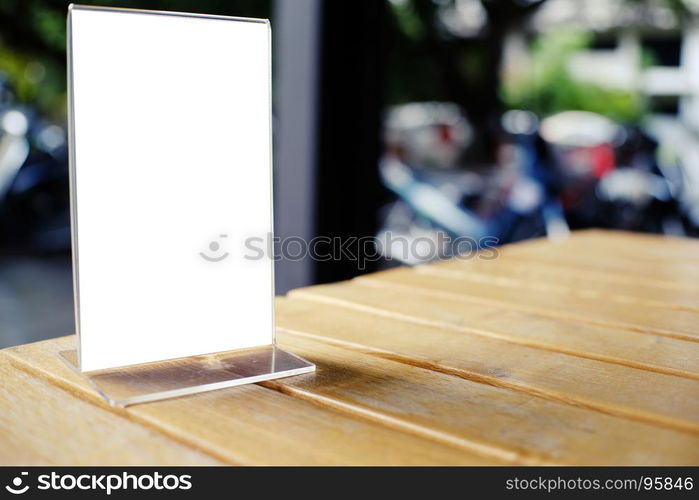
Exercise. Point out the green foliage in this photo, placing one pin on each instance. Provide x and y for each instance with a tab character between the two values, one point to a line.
547	87
407	19
35	80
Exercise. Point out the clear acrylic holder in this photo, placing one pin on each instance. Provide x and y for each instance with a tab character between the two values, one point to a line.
150	382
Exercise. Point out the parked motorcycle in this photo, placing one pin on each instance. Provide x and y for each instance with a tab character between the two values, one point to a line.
571	170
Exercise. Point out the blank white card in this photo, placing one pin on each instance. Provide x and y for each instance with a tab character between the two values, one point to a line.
171	173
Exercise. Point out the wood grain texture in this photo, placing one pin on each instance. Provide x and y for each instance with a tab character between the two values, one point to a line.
631	245
444	310
480	417
249	424
662	260
569	283
43	425
584	351
595	310
619	390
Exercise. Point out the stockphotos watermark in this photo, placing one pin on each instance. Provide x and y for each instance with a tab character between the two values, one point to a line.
359	249
104	483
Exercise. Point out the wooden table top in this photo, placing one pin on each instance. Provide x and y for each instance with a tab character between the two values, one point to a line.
584	351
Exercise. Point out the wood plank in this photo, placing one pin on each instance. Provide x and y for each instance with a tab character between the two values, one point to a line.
578	272
572	254
572	282
678	324
479	416
255	425
42	425
664	261
640	395
643	245
650	352
438	373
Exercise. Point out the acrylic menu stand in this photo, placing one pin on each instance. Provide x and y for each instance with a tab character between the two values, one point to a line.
184	376
147	382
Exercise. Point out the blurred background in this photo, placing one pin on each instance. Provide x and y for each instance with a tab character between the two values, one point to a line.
511	119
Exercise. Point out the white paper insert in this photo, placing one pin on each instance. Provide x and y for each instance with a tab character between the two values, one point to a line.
171	173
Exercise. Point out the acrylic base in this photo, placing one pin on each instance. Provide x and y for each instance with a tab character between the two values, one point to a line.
184	376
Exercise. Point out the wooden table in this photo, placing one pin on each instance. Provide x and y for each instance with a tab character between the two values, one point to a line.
584	351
